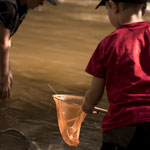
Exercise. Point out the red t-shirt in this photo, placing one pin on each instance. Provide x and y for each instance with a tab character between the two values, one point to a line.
123	59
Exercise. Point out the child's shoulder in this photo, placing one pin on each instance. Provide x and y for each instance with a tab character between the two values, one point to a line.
125	32
111	38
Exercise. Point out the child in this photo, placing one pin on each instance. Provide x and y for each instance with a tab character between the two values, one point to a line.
121	62
12	13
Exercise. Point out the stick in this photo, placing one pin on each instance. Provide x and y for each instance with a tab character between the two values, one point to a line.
102	110
52	88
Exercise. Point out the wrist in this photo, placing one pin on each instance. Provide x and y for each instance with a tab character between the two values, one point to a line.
87	108
3	79
4	71
4	76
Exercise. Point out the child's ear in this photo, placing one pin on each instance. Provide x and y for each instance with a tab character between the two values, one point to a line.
114	6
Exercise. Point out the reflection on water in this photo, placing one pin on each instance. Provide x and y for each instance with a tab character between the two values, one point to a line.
53	45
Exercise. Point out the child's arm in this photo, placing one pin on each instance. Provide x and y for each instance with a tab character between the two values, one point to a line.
93	94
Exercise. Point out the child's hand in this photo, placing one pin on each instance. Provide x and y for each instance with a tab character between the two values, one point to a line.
95	111
90	109
87	108
98	110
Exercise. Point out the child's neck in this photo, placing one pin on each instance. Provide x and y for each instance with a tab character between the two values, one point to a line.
129	17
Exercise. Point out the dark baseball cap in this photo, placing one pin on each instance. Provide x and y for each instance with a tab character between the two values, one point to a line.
102	2
53	2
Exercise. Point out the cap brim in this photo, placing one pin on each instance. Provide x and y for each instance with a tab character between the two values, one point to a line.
52	2
102	3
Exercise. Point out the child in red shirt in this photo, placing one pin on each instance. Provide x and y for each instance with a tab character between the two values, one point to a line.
121	62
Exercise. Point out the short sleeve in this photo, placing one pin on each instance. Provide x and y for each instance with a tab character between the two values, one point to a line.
7	14
95	66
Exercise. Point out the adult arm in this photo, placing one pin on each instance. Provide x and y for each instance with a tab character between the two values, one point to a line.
93	94
5	74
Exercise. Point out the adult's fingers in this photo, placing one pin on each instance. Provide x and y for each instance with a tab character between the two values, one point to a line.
4	93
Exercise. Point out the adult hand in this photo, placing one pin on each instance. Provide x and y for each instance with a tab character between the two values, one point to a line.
11	79
5	86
